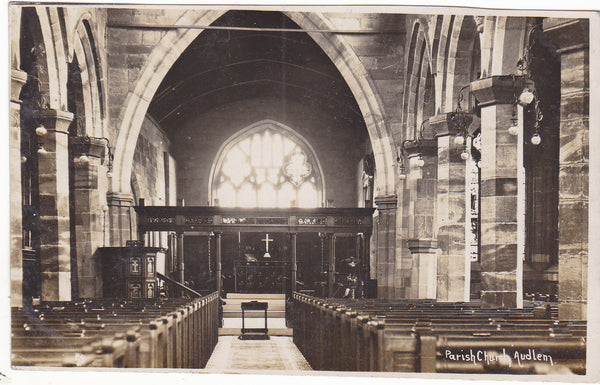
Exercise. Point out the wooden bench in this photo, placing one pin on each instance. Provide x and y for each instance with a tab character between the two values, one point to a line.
116	333
388	335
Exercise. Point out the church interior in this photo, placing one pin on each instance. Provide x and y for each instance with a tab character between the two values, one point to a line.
384	192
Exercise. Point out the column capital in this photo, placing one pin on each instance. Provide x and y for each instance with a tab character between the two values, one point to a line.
119	199
422	245
447	124
386	202
55	120
426	147
568	34
85	145
18	79
497	89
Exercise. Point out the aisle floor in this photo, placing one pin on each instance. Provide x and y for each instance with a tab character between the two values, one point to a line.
277	353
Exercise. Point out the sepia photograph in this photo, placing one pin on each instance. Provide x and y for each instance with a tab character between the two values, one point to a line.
299	190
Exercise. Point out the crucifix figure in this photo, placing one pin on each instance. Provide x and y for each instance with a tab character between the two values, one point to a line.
266	241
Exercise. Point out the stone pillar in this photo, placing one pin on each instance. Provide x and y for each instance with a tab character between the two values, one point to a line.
422	159
218	236
120	206
501	179
404	258
331	265
365	252
293	266
572	38
55	234
453	266
17	80
385	245
424	267
88	175
180	259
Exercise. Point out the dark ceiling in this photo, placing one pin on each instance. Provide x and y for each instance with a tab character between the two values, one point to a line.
224	66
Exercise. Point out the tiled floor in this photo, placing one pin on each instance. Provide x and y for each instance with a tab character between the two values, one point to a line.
277	353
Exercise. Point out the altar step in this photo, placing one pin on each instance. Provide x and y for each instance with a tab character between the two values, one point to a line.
233	305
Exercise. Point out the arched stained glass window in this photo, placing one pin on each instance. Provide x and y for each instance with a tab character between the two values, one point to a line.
267	165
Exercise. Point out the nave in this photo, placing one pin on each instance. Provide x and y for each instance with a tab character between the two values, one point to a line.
433	166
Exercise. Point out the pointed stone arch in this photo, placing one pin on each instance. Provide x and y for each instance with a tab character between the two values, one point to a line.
173	43
84	48
418	78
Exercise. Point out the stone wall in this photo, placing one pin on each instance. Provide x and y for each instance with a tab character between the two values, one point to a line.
149	165
153	174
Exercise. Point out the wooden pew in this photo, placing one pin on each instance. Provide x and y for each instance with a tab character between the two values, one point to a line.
178	333
387	335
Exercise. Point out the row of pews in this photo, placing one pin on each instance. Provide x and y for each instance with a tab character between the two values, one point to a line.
151	333
425	336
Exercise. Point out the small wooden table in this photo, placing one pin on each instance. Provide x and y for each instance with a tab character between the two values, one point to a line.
254	333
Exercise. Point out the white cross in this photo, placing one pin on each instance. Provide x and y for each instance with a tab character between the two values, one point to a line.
266	241
135	265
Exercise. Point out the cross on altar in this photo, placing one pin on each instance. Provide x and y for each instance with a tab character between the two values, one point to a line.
266	241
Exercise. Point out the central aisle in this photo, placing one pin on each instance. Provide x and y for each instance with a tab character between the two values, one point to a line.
277	353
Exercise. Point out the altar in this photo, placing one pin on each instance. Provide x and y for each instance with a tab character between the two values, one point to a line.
261	276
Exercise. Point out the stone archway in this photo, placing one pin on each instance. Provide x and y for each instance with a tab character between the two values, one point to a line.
173	43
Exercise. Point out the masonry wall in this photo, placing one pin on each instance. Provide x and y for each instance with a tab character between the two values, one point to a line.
336	145
149	180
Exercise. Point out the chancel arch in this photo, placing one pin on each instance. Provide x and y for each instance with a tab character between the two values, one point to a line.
267	165
173	44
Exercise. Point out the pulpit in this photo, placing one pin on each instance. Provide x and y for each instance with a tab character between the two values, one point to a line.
130	272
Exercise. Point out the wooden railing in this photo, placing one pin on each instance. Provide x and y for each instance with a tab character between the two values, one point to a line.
181	287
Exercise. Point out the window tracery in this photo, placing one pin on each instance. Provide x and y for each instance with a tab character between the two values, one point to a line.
267	167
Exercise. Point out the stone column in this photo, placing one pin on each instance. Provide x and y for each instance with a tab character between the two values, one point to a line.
453	265
120	206
88	175
218	236
331	265
55	234
572	38
385	245
424	267
293	266
364	255
501	176
421	181
180	259
17	80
